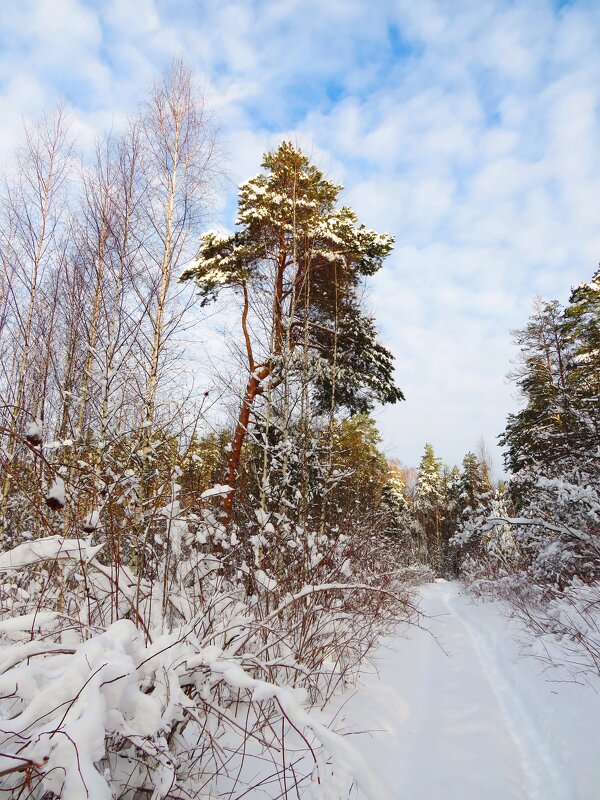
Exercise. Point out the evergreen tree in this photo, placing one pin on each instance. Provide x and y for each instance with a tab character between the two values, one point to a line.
356	454
399	521
393	498
451	478
539	433
475	484
581	331
474	505
553	443
429	504
297	262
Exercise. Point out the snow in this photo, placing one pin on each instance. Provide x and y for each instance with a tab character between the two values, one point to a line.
34	431
458	712
27	622
270	584
50	547
92	520
56	493
97	692
218	490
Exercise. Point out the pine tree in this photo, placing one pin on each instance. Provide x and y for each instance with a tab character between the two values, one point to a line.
399	520
553	443
298	260
475	497
429	504
581	331
539	433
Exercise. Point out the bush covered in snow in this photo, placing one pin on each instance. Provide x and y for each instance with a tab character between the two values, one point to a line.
112	687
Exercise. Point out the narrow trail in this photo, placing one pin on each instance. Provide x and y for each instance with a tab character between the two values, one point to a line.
455	713
543	773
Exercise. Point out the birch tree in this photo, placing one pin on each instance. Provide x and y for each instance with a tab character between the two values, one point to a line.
34	214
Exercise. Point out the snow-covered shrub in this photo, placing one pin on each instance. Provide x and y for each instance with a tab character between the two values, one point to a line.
114	716
186	686
135	578
558	531
567	628
484	543
545	563
562	626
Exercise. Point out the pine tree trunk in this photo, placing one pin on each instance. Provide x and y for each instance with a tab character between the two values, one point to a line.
253	388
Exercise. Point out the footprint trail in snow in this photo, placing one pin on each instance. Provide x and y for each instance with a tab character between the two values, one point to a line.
455	712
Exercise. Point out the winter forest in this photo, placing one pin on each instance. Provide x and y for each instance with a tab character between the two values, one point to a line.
204	550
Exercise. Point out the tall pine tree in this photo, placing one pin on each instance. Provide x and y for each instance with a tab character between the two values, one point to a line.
296	264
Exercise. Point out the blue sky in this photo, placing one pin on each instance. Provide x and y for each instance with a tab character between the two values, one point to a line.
469	130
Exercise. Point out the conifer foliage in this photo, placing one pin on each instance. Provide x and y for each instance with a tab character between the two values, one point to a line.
297	262
541	542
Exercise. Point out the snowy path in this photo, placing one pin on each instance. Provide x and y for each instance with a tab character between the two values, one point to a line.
461	716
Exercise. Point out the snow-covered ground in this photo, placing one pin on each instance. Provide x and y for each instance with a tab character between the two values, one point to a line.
461	715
